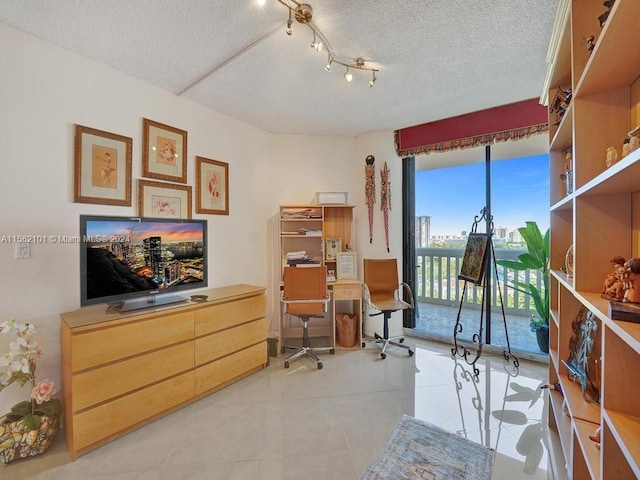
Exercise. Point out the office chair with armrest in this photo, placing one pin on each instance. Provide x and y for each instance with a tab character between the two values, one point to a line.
305	296
383	290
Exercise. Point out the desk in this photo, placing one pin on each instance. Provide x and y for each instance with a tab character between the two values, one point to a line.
346	297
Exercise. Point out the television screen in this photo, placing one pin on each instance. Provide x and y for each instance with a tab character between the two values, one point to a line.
140	262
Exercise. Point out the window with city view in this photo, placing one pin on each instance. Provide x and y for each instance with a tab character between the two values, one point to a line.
447	201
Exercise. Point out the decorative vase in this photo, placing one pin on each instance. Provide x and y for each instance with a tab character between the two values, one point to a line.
19	441
542	336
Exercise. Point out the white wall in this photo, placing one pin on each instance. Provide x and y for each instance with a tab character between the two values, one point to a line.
45	90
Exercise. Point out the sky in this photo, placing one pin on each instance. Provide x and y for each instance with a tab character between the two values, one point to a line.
453	196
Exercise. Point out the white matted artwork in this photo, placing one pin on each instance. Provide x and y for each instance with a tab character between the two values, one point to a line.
163	200
212	186
346	265
102	167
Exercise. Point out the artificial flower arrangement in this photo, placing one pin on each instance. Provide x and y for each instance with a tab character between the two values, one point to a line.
30	427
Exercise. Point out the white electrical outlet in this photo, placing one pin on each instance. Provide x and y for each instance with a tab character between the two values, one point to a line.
23	250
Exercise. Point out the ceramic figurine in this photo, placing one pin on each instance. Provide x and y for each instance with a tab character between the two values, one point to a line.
626	147
613	288
612	156
631	281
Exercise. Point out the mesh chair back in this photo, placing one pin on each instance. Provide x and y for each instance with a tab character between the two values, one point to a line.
381	278
302	283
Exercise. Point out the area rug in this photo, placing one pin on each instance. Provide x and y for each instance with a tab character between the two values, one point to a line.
419	450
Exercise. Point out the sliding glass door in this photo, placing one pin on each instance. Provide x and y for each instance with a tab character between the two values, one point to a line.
447	200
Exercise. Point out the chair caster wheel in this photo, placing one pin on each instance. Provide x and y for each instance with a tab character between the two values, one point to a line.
332	352
411	353
364	344
286	364
401	340
383	355
320	365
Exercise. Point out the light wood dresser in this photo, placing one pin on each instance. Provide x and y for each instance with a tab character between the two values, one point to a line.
121	371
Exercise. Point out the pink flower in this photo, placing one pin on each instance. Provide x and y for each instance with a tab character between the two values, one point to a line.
42	391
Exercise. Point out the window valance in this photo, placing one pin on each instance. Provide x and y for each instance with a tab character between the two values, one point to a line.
499	124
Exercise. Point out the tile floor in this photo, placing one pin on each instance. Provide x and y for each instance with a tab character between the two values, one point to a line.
325	424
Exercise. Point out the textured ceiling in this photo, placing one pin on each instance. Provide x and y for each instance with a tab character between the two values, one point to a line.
437	58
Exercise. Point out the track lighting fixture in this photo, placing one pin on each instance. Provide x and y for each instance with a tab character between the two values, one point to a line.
303	13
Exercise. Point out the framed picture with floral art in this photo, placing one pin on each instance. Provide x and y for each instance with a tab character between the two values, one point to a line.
163	200
212	186
102	167
164	152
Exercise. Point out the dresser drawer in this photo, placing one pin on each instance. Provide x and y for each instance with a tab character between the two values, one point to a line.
103	383
218	317
214	374
228	341
117	416
104	345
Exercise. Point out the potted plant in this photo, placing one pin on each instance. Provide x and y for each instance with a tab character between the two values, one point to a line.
536	259
31	426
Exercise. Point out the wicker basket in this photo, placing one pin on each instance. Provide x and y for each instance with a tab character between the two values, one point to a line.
18	441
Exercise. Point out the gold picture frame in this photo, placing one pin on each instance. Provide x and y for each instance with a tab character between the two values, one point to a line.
102	167
164	152
163	200
212	186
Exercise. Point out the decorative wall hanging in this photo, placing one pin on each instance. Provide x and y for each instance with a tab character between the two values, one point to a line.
385	199
583	363
164	152
163	200
102	167
212	186
370	189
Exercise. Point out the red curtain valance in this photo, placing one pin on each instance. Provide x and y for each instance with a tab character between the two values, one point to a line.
499	124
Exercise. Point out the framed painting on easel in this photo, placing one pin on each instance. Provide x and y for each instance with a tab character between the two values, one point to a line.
475	254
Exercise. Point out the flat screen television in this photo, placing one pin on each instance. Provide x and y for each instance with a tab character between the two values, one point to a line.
133	263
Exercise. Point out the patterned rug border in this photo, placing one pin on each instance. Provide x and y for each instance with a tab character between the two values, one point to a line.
420	450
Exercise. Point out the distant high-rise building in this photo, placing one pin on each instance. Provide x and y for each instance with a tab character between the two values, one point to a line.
423	231
501	232
515	237
153	254
172	271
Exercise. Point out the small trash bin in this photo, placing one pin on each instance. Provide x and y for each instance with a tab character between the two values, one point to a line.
346	330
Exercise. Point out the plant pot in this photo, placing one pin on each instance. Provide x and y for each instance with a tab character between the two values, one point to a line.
542	335
19	441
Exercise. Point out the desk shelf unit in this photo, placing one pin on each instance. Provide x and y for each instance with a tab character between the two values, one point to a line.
600	219
326	221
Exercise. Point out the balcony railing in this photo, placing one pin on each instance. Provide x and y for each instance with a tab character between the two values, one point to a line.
437	281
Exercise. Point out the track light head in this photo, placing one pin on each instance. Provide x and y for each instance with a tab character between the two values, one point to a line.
289	30
327	67
348	75
373	79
